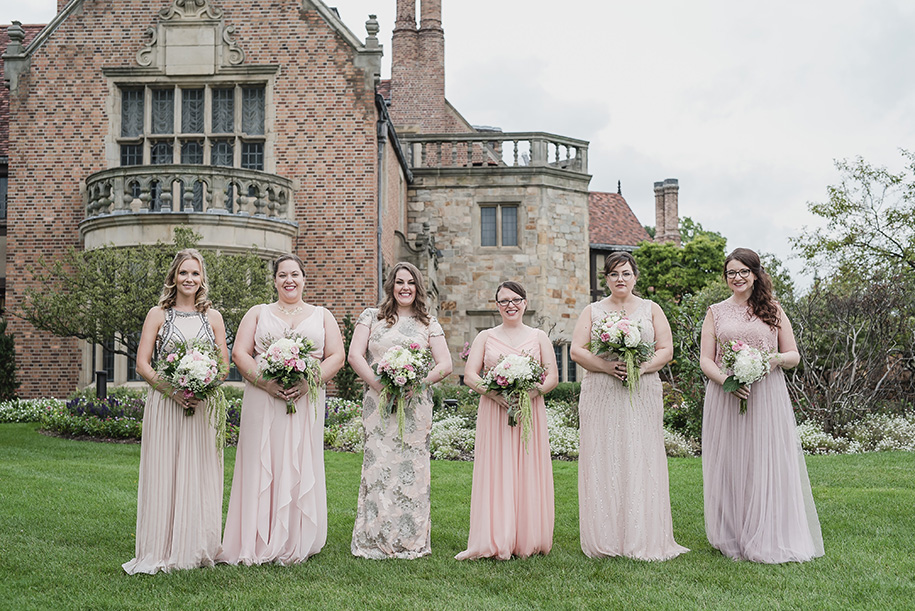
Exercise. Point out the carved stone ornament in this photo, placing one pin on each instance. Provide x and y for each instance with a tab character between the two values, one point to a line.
191	9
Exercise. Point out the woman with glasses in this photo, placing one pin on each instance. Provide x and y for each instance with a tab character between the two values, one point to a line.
623	493
511	501
758	504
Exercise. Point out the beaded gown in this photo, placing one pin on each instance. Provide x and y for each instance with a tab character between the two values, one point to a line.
278	504
511	501
393	512
624	496
179	497
758	502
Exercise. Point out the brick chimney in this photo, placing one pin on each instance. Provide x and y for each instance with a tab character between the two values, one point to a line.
667	217
418	70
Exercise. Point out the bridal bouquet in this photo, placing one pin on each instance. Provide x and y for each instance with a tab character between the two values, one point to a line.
617	334
746	365
512	376
288	361
401	371
196	369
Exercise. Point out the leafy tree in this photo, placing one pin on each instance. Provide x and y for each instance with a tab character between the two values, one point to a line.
870	219
668	272
8	382
103	294
348	384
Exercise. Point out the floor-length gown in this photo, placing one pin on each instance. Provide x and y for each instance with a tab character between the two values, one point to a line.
623	490
393	512
278	504
179	498
758	502
511	500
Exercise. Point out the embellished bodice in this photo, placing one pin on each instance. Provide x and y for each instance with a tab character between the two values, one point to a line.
734	321
641	315
406	330
182	327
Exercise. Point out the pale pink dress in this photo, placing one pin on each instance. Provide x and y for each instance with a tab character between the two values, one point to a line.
393	513
511	501
623	491
179	498
278	505
758	502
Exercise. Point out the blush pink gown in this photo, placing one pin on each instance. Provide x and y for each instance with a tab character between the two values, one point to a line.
511	502
623	491
758	502
278	504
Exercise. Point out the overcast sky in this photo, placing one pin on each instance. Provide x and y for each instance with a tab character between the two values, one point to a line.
747	104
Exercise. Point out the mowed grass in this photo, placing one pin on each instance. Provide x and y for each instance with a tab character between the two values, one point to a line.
68	511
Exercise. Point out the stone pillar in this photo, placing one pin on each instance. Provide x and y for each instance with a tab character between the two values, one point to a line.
667	216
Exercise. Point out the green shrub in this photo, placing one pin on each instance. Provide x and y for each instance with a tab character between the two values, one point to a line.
233	393
565	391
27	410
121	393
464	395
8	382
347	383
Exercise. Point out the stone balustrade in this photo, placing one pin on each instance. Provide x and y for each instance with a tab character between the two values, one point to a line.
188	188
496	149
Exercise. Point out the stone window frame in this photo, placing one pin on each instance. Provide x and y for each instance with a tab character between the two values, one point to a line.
568	369
240	77
499	204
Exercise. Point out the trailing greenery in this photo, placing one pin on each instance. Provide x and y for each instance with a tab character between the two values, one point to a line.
8	381
69	514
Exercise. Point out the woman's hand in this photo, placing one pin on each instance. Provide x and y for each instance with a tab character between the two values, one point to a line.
617	369
742	393
274	389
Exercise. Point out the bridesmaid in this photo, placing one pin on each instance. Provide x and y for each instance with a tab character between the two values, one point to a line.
624	499
278	505
758	503
393	513
511	502
179	500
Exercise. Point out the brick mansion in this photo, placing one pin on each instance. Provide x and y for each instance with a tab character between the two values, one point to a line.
268	124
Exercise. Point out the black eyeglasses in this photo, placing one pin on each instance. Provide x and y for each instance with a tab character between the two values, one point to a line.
503	303
731	274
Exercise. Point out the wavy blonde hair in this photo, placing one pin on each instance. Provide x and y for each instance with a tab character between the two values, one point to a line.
170	288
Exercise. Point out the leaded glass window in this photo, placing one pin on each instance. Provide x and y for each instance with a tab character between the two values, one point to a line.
223	111
161	152
499	225
131	113
163	111
131	154
192	151
509	225
488	226
223	153
192	111
252	111
252	155
4	185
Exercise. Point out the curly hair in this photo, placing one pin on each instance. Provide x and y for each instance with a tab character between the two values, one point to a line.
762	302
387	311
170	288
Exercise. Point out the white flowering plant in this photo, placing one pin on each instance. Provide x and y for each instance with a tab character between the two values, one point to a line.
288	360
618	335
401	371
513	376
745	365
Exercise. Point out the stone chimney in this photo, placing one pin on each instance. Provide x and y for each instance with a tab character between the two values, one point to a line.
418	70
667	217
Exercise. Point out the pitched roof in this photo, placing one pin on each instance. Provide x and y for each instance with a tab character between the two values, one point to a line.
612	222
30	32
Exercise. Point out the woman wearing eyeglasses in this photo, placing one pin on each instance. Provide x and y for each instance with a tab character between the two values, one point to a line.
511	501
623	492
758	504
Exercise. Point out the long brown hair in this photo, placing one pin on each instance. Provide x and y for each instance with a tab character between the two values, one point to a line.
761	301
387	311
170	288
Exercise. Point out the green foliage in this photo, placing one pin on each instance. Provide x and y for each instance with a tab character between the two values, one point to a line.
870	220
103	294
27	410
8	381
121	393
565	391
347	383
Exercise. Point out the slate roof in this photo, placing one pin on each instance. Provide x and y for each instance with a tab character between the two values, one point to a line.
30	32
612	222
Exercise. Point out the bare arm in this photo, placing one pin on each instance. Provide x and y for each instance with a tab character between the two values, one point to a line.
707	348
358	347
219	330
548	357
334	350
788	355
580	353
154	320
442	358
243	354
664	342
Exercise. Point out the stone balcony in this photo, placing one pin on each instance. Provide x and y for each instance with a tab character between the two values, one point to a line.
233	209
519	151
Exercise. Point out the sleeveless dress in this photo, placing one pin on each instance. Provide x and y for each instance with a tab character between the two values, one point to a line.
393	512
278	504
758	503
511	500
623	489
179	498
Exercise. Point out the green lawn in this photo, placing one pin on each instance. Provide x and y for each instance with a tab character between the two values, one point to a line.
68	508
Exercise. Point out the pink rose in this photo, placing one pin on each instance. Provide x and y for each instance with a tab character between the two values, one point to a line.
409	367
300	364
414	346
605	337
400	380
171	358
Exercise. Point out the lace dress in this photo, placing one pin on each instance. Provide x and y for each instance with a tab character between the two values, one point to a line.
511	499
179	497
278	505
624	496
758	503
393	511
